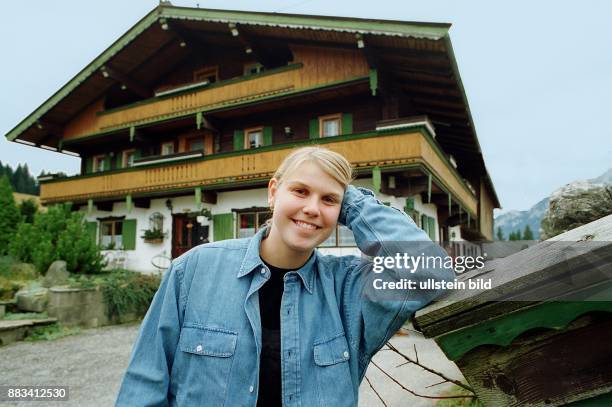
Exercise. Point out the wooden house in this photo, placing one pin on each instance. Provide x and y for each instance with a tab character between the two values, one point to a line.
181	122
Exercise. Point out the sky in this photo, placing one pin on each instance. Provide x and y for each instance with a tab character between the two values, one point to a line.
537	74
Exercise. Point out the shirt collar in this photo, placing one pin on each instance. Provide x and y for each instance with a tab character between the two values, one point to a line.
252	261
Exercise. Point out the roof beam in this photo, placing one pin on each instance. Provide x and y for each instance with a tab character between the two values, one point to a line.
133	85
250	46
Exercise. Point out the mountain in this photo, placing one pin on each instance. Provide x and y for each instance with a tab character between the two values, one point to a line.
516	220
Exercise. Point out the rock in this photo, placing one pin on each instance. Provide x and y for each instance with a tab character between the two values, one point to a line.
574	205
34	300
56	274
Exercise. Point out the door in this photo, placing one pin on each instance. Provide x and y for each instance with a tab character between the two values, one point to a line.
186	233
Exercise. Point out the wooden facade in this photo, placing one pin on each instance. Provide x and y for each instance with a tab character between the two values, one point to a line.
195	100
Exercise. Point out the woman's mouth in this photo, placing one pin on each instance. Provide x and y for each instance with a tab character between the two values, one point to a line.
305	225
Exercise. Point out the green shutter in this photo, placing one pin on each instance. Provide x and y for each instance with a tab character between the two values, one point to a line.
88	165
431	228
136	154
223	225
107	162
313	128
376	179
118	159
409	203
129	234
92	230
238	140
267	136
347	123
424	224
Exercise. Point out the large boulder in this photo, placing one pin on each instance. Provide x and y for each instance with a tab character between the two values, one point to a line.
574	205
33	300
57	274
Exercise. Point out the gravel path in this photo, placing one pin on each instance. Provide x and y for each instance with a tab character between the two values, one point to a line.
92	364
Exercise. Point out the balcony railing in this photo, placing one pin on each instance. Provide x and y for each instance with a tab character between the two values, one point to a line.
398	148
279	81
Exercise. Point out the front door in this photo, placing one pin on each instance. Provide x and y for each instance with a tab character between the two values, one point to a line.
186	233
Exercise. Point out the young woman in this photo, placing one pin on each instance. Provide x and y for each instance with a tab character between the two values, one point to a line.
268	320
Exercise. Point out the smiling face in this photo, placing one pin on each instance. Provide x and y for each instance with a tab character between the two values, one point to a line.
306	208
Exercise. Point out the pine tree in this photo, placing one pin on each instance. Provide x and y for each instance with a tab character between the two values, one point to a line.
527	233
500	234
9	215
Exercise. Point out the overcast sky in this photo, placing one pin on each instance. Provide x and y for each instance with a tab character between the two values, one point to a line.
538	75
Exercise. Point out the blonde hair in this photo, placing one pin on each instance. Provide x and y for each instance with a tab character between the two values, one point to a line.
332	163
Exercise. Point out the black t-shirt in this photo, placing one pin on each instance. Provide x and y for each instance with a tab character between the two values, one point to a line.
270	296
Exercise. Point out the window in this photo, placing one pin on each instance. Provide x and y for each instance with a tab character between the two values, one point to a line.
341	237
195	144
209	73
111	234
330	126
167	148
253	138
99	163
253	68
127	158
250	222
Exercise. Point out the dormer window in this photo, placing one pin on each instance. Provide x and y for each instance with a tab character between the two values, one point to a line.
209	73
253	138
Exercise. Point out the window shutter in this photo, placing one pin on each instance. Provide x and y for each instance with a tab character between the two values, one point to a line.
136	154
347	123
92	230
313	128
431	229
376	179
107	162
129	234
267	136
118	159
238	140
223	225
88	165
409	203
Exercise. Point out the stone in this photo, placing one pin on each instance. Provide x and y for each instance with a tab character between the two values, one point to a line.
57	274
34	300
575	204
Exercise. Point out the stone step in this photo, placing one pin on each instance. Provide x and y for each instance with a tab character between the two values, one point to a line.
13	331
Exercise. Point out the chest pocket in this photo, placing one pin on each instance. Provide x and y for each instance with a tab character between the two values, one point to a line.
334	383
204	365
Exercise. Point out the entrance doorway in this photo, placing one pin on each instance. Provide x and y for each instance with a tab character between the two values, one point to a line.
186	233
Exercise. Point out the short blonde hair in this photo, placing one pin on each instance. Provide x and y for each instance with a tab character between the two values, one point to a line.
332	163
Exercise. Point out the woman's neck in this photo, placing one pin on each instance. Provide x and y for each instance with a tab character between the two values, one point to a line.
276	253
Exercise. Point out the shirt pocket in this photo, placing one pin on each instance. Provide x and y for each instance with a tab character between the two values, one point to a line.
332	370
203	371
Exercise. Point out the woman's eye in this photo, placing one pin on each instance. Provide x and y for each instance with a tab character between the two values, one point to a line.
330	200
299	191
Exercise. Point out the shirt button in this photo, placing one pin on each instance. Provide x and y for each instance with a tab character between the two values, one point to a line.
346	354
251	389
263	270
199	348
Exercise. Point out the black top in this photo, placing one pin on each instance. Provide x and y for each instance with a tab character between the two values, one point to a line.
270	296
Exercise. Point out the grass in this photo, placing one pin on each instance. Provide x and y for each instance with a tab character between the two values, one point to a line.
51	332
468	401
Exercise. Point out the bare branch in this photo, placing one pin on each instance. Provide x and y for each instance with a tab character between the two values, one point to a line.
379	396
430	370
415	393
437	384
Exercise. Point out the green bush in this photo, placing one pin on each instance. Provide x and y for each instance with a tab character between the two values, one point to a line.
57	234
127	292
9	215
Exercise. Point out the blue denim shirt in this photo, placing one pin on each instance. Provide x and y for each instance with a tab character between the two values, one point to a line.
200	342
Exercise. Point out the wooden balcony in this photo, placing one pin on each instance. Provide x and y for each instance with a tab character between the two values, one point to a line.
407	148
281	81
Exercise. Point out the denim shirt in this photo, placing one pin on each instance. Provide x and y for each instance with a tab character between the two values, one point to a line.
200	341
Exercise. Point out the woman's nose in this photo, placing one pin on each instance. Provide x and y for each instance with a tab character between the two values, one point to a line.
311	207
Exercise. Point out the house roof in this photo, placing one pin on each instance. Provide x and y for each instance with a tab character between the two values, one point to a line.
418	55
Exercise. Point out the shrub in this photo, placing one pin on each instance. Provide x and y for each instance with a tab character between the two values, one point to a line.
9	215
127	292
57	234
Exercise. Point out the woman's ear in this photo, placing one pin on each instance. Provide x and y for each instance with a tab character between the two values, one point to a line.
272	189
